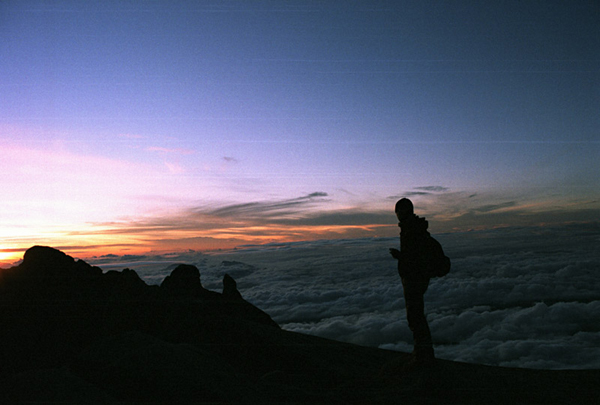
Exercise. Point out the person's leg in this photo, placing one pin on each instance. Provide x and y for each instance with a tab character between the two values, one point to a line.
417	321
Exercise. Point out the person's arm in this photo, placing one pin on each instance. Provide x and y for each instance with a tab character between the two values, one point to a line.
411	259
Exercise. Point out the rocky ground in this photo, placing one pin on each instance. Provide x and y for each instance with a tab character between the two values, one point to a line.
73	334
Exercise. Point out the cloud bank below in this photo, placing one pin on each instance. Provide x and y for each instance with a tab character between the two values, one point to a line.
518	297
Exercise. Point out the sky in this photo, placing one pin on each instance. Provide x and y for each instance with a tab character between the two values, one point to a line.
130	127
515	296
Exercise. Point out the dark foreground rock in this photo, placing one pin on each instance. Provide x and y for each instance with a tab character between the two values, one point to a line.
70	333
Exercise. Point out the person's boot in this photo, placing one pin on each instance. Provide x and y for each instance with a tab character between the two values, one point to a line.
418	360
424	356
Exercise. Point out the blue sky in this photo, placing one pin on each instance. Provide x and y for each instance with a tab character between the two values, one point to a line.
129	126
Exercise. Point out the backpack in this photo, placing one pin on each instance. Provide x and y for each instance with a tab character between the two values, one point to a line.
437	264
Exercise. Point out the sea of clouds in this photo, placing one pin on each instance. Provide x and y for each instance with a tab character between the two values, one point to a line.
515	297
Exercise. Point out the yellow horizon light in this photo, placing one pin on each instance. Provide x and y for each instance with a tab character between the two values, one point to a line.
8	258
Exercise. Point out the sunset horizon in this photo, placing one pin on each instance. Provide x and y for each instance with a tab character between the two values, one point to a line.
128	128
250	237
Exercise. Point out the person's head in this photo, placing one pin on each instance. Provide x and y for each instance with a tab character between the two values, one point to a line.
404	209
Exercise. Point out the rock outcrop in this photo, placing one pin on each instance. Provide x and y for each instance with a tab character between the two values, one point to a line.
184	280
230	290
53	309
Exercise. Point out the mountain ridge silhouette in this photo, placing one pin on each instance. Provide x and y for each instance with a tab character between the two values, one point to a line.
73	333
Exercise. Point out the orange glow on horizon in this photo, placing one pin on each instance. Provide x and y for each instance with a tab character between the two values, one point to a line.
8	256
88	244
179	232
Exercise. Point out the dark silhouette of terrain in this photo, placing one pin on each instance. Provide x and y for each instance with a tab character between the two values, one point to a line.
70	333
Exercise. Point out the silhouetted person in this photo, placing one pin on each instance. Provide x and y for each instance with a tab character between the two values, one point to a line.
415	280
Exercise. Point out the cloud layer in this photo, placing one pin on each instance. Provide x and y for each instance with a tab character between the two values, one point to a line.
525	297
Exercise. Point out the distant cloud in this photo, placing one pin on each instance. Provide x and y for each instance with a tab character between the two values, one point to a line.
421	191
349	217
230	159
467	210
174	168
316	216
206	227
264	209
316	194
179	151
345	191
433	189
495	207
310	216
131	136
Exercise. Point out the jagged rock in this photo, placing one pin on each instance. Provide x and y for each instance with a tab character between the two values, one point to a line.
52	306
230	290
44	261
42	257
46	271
184	280
130	304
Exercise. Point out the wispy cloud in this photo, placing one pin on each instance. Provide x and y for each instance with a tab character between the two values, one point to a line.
420	191
268	209
131	136
433	189
459	210
172	220
208	227
178	151
495	207
347	217
174	168
312	216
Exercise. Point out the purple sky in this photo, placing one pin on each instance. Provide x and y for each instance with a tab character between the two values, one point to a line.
131	126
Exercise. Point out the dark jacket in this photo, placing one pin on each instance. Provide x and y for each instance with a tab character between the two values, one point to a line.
413	233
